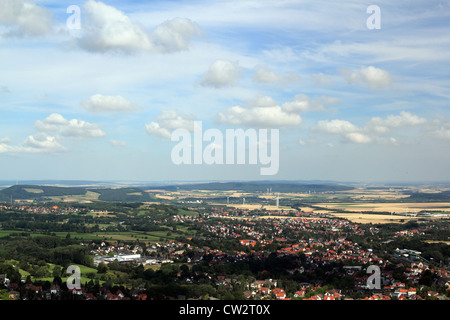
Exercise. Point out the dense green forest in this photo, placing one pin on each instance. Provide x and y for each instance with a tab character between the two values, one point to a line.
122	194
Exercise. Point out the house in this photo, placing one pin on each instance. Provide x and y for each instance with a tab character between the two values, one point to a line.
111	296
264	290
120	294
412	291
90	296
432	293
248	242
335	294
316	297
300	293
378	297
54	289
77	291
401	292
279	293
261	283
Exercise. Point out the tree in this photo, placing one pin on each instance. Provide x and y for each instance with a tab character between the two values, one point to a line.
57	271
184	268
57	281
101	268
41	272
114	265
426	278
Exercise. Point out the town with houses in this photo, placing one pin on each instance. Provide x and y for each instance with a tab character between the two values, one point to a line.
236	254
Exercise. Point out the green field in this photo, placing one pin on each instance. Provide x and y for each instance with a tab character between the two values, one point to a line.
5	233
183	212
149	236
153	236
84	272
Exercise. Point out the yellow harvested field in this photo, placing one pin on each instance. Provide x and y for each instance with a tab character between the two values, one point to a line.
31	190
285	195
288	217
378	196
307	209
321	211
372	218
258	206
269	217
388	207
437	241
161	196
238	194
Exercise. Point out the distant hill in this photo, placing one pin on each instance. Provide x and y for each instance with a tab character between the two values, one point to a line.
27	192
137	194
122	194
443	196
41	193
260	186
56	183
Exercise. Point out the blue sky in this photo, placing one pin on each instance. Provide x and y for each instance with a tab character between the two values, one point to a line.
100	102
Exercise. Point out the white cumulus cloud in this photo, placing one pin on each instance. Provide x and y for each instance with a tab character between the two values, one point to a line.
175	35
101	103
404	119
336	126
38	143
154	129
264	111
273	116
372	130
168	121
375	78
303	103
74	128
42	142
24	18
222	73
105	28
357	137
